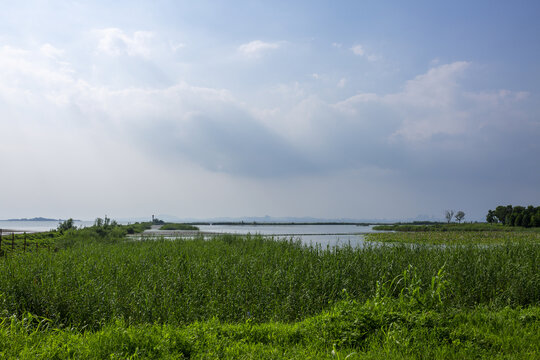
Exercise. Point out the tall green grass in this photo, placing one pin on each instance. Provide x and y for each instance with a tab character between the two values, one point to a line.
178	226
235	279
380	328
440	227
456	237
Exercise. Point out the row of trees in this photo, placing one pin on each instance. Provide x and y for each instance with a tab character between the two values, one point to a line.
515	215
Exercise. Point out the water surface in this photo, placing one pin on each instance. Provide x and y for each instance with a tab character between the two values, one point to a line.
324	235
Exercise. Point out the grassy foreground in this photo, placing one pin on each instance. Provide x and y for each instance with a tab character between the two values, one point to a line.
378	329
100	296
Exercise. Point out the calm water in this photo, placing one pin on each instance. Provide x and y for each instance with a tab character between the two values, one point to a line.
309	234
325	235
37	225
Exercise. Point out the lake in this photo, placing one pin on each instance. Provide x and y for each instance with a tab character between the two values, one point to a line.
33	226
325	235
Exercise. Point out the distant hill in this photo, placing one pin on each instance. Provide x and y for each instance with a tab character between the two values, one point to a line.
282	220
36	219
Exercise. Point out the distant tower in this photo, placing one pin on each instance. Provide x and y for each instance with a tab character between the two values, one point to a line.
152	218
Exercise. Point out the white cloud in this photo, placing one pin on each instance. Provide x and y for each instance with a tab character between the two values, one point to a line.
177	46
358	50
372	57
213	129
434	104
257	47
194	134
114	42
50	51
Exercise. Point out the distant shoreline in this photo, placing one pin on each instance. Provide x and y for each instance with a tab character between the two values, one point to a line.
251	223
36	219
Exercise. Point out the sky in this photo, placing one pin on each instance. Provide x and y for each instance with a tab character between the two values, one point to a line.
325	109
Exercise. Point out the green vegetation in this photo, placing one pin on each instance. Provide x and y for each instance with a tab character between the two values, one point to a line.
377	329
456	237
177	226
67	234
515	216
31	242
438	227
103	296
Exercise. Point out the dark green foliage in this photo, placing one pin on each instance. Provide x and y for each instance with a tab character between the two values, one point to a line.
438	227
137	227
156	221
177	226
515	216
65	226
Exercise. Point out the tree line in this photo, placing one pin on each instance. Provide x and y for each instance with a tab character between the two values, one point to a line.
515	215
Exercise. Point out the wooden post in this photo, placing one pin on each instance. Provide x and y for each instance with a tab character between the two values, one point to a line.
12	241
24	242
0	240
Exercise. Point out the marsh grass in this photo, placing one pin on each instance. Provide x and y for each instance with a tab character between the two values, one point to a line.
239	278
456	237
30	242
441	227
381	328
178	226
101	296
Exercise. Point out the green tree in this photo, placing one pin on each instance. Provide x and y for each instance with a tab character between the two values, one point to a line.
518	220
449	214
502	213
491	218
459	216
526	221
535	220
65	226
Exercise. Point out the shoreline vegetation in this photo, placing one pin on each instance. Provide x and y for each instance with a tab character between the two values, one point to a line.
178	226
92	293
442	227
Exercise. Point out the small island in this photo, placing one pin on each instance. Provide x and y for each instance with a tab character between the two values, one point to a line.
36	219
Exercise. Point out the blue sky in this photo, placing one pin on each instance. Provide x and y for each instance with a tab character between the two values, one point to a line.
351	109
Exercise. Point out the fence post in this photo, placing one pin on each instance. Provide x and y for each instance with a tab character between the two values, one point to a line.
12	241
0	241
24	242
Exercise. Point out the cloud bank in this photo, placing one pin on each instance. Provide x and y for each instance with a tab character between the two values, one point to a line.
433	118
432	132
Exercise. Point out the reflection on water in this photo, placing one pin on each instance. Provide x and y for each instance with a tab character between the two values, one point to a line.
323	235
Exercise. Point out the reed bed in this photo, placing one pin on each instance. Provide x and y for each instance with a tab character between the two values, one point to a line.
457	237
248	278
